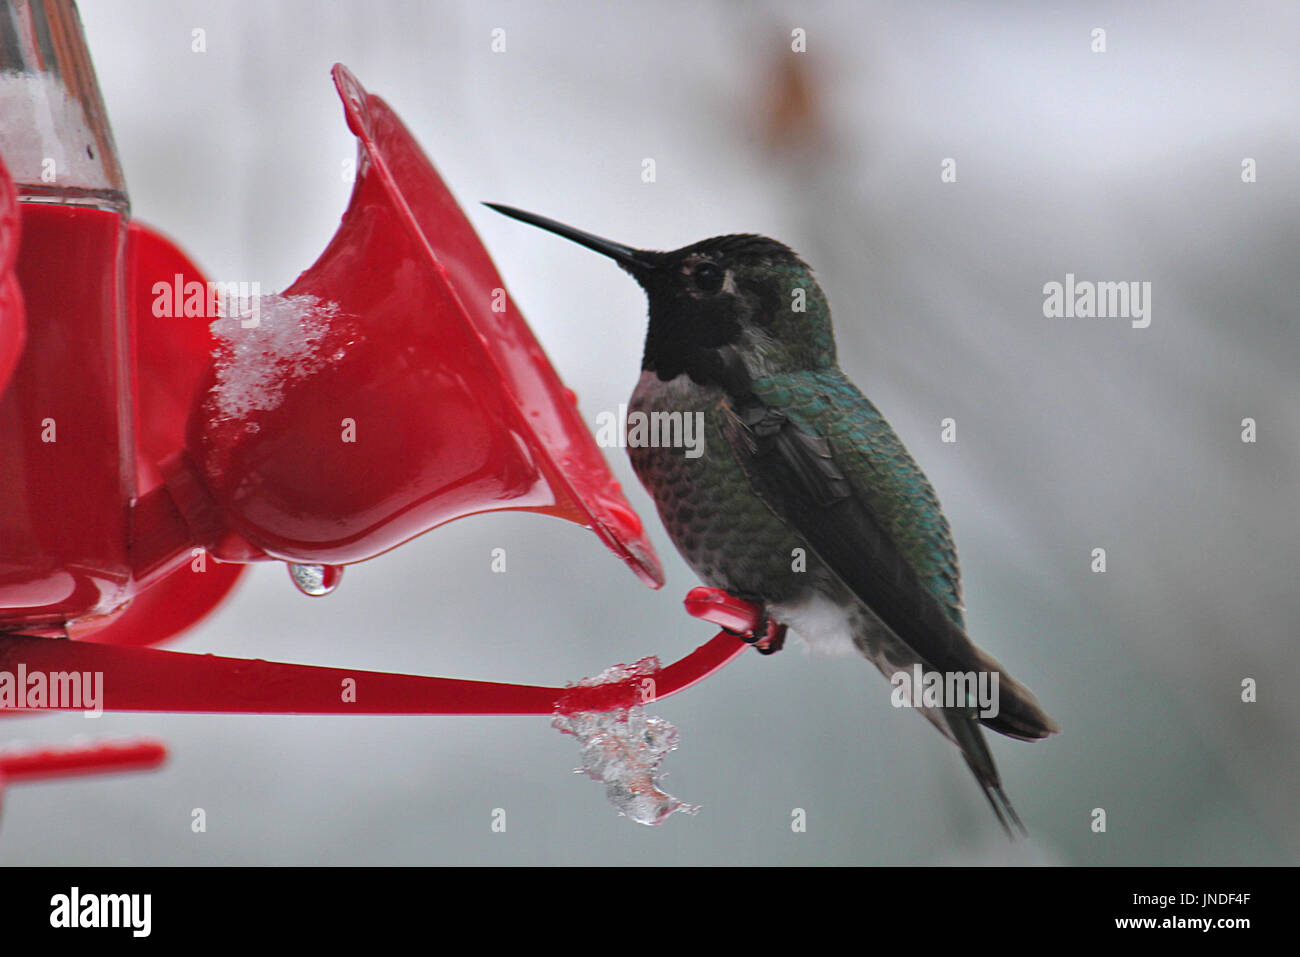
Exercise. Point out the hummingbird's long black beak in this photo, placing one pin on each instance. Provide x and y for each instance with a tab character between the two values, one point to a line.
635	261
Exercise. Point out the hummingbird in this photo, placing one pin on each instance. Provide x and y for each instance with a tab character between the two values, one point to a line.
804	500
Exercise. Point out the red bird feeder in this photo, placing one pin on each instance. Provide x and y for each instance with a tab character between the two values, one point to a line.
144	461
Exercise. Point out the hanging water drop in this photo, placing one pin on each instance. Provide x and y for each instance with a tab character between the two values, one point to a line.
316	579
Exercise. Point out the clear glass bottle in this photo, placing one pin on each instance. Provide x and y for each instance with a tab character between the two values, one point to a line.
67	459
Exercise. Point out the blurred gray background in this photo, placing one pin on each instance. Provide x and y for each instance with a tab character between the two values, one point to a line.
1072	434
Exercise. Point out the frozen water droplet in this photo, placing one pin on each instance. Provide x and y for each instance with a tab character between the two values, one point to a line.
623	749
316	579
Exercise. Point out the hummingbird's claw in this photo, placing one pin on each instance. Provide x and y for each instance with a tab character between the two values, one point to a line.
767	636
773	641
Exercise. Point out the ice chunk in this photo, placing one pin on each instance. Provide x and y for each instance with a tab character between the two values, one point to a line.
255	359
624	746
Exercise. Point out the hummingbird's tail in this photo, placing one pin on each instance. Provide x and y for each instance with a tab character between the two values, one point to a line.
964	729
1018	713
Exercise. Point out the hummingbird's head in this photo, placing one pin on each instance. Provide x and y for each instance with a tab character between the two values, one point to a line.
749	292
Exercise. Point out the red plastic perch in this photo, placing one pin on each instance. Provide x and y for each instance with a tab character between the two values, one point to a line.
148	679
140	755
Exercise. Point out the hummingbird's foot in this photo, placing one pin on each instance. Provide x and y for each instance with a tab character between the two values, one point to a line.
768	636
773	641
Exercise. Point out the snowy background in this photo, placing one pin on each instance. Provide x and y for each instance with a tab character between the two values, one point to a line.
1072	434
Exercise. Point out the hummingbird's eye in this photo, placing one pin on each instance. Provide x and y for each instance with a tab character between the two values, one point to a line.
707	277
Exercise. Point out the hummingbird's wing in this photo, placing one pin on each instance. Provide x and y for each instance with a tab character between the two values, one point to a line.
817	487
879	470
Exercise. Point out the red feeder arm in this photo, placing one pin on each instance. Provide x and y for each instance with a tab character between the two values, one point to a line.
22	766
149	679
100	758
